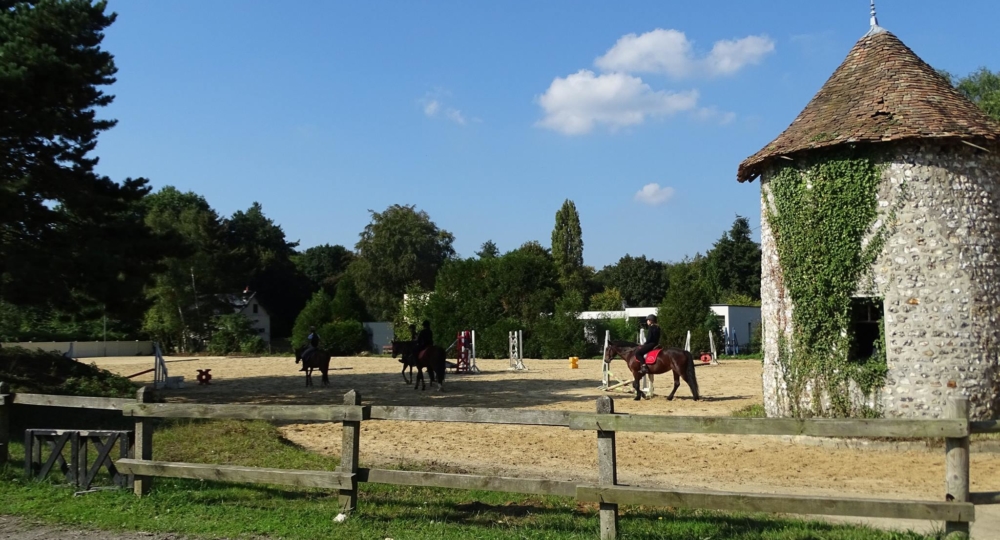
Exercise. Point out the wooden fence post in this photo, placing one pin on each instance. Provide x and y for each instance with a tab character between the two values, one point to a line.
957	467
143	443
349	458
607	470
6	404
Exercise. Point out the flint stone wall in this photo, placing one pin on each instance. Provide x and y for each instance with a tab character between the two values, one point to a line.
938	275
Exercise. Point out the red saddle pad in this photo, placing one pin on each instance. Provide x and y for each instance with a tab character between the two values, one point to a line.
651	356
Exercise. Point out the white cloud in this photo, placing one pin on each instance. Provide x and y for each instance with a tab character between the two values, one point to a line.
433	103
729	56
455	115
575	104
431	107
659	51
670	52
654	195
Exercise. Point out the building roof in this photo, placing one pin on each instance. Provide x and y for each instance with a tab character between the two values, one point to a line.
239	302
881	92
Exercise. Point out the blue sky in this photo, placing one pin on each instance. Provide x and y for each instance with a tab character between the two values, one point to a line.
488	115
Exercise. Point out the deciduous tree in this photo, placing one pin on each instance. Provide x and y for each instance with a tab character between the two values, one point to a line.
324	265
400	246
641	281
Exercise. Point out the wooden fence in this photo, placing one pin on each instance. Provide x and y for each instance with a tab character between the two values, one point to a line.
957	509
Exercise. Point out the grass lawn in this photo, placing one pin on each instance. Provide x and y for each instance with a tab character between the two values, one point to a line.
220	510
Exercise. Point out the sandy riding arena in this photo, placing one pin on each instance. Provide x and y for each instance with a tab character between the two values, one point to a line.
739	463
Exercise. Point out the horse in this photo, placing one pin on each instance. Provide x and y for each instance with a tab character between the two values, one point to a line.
318	359
433	360
669	359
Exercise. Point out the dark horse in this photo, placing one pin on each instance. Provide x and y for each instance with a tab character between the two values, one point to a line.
670	359
317	359
433	360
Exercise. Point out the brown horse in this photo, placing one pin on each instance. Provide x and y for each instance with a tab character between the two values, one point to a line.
317	359
433	359
669	359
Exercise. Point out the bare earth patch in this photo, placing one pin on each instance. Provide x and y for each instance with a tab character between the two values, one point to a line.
17	528
737	463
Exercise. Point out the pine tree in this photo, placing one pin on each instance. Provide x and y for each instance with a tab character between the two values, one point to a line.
567	246
68	236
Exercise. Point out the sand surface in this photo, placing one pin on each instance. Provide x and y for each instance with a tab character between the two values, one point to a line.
737	463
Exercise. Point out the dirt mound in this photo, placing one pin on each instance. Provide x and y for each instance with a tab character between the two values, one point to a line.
51	373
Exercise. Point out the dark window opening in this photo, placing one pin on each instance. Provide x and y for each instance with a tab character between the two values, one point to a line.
866	321
255	308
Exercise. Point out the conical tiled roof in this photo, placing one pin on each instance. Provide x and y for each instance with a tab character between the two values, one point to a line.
881	92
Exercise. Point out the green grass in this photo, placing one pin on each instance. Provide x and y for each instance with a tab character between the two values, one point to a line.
754	410
238	511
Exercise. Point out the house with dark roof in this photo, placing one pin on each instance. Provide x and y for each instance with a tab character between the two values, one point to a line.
934	287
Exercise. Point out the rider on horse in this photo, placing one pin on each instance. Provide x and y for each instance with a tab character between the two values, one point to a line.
652	342
312	345
424	339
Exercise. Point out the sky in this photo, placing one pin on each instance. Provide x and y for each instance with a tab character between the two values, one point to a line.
488	115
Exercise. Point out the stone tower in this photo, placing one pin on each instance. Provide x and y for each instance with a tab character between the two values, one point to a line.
934	286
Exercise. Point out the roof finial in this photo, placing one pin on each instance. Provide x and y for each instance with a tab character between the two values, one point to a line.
875	29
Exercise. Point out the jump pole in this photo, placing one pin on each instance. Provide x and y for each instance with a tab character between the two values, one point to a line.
472	360
516	348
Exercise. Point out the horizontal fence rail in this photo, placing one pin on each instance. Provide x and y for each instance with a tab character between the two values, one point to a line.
985	497
783	504
232	473
327	413
817	427
77	402
985	426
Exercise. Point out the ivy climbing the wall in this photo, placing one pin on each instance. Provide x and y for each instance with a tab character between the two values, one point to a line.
824	218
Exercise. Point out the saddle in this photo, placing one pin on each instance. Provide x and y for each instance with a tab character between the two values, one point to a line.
651	356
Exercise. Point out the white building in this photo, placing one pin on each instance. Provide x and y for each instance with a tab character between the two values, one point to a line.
251	308
738	324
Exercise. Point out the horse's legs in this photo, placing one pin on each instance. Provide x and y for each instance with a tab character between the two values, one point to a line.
403	372
677	384
420	378
637	385
308	376
326	378
684	375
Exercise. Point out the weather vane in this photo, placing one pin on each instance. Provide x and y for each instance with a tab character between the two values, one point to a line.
875	28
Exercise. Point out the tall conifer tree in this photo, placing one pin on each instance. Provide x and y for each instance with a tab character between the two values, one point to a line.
567	246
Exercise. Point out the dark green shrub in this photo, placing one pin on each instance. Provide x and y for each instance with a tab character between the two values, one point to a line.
343	338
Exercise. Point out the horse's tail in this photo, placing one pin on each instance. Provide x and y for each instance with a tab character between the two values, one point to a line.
692	377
